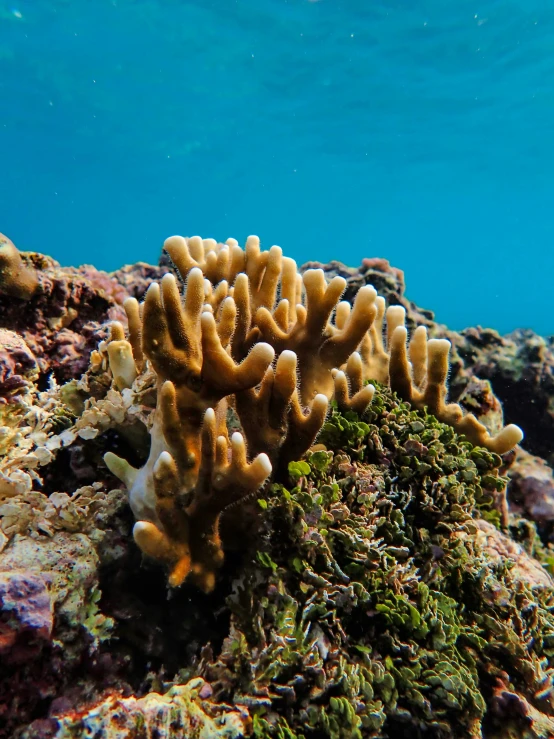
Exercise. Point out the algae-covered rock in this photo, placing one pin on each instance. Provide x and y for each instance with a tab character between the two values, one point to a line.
27	615
373	589
18	366
183	711
61	319
68	565
532	491
390	606
49	620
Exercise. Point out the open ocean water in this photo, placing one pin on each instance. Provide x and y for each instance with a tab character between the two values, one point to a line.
421	131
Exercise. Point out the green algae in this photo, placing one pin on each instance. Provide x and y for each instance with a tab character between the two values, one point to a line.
373	607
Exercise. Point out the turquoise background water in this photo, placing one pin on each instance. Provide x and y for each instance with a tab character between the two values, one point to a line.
421	131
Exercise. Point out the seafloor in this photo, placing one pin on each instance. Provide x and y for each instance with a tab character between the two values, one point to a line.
242	508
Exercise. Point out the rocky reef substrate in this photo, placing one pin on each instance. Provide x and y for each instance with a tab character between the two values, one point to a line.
394	581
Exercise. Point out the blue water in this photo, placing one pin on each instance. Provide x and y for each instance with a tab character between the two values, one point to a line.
418	130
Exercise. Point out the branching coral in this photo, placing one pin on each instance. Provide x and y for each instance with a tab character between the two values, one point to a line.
188	456
187	537
212	350
427	388
418	372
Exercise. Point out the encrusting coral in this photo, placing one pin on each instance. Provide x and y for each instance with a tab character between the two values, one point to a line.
212	350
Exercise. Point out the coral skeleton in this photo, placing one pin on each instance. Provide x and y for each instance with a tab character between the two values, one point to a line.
240	331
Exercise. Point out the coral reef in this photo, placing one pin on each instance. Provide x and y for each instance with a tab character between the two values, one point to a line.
215	345
340	554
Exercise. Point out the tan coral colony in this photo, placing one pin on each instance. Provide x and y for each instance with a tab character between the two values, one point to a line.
242	329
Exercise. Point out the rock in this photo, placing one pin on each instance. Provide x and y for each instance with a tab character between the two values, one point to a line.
136	278
498	548
27	615
181	712
18	364
50	624
531	489
61	322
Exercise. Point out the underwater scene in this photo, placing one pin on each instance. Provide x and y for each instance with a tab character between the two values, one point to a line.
276	369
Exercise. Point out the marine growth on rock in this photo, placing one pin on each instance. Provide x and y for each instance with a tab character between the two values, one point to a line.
321	544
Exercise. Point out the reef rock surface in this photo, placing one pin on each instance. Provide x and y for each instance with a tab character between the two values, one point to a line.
394	580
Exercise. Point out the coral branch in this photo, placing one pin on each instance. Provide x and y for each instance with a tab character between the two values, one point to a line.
430	367
350	392
319	346
186	534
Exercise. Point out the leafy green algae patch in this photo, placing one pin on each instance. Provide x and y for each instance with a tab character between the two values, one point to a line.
380	612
